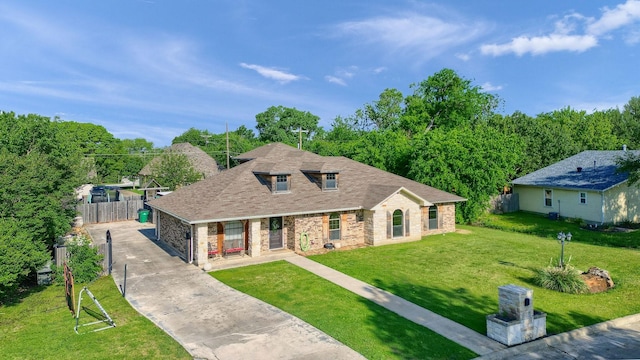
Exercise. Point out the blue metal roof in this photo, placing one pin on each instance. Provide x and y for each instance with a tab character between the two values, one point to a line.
598	172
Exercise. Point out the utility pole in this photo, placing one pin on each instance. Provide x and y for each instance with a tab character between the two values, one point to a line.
206	139
227	126
300	131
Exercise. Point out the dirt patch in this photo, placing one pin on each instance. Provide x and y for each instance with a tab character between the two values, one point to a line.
463	231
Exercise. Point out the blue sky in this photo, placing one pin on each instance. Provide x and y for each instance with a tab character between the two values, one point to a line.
154	69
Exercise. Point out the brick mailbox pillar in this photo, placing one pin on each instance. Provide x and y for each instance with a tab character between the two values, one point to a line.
516	322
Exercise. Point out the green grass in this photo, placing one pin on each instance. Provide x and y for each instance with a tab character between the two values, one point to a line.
40	326
358	323
457	275
540	225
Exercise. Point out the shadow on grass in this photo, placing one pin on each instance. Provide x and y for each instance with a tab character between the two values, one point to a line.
14	296
470	310
541	226
408	340
457	304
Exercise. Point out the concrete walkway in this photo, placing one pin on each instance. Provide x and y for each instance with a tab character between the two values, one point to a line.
460	334
615	339
209	319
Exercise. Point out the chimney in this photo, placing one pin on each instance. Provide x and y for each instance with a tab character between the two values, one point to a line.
579	169
624	147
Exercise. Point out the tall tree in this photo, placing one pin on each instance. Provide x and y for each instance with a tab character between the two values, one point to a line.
383	114
628	126
39	169
446	100
174	170
240	140
474	163
281	124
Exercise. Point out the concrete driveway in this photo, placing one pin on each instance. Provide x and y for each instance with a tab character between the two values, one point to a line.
210	319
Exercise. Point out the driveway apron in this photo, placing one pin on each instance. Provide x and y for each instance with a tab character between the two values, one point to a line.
208	318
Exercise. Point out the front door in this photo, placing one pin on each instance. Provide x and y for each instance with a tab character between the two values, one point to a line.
275	233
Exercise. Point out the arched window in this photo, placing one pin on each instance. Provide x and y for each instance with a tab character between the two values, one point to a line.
398	223
334	226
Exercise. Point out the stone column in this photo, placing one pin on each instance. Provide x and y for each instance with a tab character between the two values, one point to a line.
254	237
201	255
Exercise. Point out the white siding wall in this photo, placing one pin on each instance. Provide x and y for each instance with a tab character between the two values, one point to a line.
621	203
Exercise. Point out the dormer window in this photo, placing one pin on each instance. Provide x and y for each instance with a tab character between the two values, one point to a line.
282	183
330	181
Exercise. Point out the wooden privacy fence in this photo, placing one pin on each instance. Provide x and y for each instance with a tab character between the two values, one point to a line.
505	203
110	211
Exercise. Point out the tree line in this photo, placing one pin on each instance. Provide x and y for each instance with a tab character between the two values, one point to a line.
447	134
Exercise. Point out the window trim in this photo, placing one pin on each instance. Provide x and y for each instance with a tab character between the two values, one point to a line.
326	180
334	218
397	214
286	182
235	237
550	198
582	200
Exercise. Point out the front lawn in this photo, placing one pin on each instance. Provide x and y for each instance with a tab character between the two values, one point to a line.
40	326
366	327
457	275
541	225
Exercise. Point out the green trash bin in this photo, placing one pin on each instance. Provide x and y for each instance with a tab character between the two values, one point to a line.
143	215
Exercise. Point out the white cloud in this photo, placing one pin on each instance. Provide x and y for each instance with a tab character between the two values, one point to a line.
335	80
463	57
490	87
573	32
612	19
421	36
379	70
541	45
272	73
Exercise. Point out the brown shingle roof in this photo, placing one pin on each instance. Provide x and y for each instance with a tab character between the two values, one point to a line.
238	193
199	160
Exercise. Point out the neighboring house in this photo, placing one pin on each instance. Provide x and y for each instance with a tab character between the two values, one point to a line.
199	160
585	186
280	197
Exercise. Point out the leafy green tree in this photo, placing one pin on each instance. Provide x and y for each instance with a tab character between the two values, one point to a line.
19	255
383	114
174	170
39	169
630	164
446	100
96	142
281	124
240	140
475	163
627	128
84	261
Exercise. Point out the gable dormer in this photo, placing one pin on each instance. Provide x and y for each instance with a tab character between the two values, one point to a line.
322	175
277	180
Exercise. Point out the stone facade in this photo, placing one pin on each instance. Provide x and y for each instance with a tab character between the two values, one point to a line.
356	227
172	231
383	215
446	219
316	227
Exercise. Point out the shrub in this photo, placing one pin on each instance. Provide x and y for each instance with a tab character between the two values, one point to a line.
84	261
565	279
